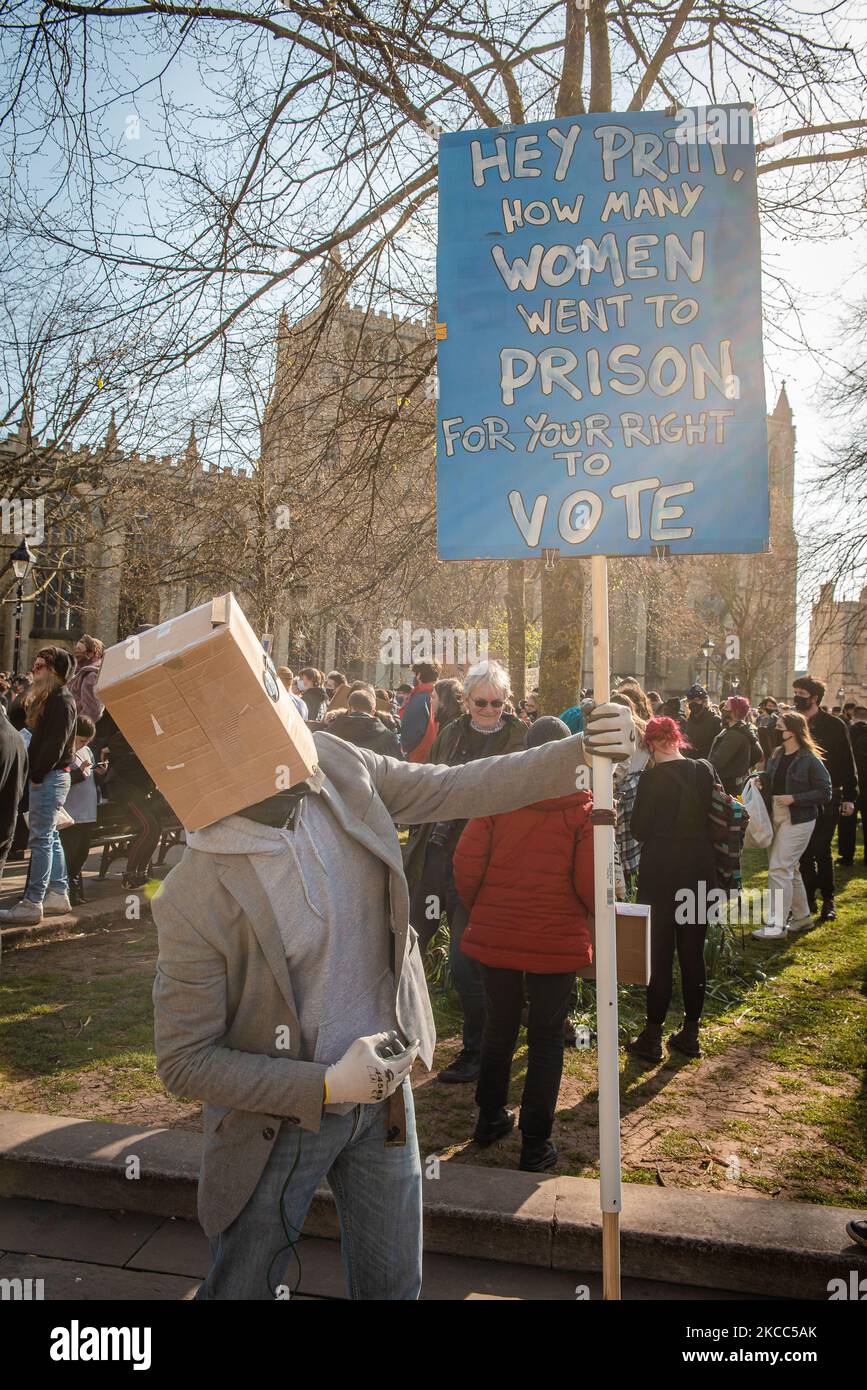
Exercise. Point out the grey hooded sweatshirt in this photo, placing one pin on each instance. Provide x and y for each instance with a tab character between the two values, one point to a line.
342	993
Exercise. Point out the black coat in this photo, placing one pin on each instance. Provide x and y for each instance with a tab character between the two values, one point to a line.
54	736
733	753
858	739
701	730
832	736
365	731
769	731
13	780
316	701
125	773
670	821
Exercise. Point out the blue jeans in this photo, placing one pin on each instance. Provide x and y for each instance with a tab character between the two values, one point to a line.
438	880
47	862
377	1191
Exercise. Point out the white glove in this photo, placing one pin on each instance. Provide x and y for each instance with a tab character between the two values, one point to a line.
609	732
362	1077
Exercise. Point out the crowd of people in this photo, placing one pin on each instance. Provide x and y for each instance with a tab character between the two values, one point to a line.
516	889
496	842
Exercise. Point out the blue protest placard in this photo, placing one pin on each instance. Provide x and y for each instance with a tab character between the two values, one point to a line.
601	388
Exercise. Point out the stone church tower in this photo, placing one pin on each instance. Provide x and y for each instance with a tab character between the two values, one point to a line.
333	366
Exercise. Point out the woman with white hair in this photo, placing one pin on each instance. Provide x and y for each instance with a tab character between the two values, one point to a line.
484	729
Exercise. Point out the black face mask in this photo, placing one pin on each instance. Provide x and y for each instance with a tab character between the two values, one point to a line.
695	707
802	702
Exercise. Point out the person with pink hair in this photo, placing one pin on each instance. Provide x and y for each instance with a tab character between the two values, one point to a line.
736	747
676	874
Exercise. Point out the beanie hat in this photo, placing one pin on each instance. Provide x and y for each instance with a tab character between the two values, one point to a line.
546	730
61	664
696	692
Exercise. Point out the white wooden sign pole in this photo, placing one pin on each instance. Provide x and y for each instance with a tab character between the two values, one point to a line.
606	956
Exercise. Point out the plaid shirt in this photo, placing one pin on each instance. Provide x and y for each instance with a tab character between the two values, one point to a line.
628	848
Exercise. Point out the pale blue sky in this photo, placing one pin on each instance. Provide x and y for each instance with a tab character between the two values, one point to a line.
826	278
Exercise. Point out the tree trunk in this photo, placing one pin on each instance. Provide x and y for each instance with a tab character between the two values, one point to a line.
561	662
516	619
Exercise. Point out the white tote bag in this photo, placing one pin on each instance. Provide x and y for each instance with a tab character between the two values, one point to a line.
760	831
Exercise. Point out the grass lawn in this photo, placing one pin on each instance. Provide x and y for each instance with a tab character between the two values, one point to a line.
778	1104
776	1107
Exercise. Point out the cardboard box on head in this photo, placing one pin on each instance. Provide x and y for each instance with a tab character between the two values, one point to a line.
201	705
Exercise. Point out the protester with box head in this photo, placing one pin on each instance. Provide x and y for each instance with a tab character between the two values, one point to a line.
286	960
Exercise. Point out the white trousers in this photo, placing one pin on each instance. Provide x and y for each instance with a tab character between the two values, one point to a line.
784	875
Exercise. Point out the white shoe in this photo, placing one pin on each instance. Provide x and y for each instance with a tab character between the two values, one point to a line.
56	904
24	913
768	934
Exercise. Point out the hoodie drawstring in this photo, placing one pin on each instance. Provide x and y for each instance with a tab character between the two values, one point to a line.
289	836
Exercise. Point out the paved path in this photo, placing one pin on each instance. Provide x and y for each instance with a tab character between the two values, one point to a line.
103	897
84	1254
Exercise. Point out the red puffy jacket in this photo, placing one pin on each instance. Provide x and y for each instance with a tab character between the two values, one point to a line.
526	879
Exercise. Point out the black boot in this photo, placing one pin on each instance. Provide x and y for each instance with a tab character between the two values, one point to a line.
537	1155
493	1127
463	1069
829	911
648	1044
686	1040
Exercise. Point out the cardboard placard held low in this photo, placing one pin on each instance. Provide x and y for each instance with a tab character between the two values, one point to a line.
202	707
633	944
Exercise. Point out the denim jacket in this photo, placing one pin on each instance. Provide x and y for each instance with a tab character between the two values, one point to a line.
807	780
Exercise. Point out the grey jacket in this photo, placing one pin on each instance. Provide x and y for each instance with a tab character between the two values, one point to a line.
224	1009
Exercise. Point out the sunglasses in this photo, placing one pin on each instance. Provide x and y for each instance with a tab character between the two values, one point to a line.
494	704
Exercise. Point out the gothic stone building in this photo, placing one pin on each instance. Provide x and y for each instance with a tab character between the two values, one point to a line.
321	361
838	645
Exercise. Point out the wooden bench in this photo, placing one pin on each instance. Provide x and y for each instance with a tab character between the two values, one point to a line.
114	833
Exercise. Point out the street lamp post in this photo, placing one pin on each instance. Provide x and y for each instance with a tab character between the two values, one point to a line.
708	649
735	684
22	558
841	696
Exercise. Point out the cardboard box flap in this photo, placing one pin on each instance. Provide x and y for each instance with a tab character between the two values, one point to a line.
143	650
220	609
